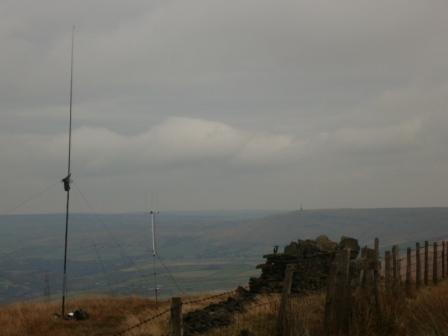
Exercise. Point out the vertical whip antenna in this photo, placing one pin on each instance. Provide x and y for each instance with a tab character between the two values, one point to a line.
67	180
153	213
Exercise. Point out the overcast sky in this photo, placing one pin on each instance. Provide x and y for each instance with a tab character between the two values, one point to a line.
218	104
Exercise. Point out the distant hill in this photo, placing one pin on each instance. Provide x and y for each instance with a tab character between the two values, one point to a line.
392	226
203	250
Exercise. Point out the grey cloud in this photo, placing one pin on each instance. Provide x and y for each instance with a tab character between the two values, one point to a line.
169	143
255	93
179	140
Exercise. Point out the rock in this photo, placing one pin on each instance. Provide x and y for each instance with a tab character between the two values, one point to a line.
216	315
81	315
243	293
292	249
352	244
325	244
78	315
312	259
308	248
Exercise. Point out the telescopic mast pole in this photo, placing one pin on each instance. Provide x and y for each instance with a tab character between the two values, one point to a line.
154	252
67	180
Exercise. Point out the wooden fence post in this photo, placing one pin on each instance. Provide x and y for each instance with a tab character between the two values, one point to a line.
443	259
408	272
446	260
418	269
426	273
387	270
394	263
176	328
364	270
376	280
338	300
369	293
377	248
395	269
282	328
435	262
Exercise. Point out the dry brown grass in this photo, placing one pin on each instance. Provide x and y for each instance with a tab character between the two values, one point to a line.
107	315
425	315
304	317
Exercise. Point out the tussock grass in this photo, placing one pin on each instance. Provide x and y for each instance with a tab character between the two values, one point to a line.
427	315
107	315
424	315
304	316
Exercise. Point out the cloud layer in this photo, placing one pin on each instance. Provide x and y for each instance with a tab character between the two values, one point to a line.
217	104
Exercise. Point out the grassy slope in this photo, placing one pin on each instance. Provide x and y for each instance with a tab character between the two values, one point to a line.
426	315
108	315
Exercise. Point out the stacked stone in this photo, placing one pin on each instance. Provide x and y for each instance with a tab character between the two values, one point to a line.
312	258
216	315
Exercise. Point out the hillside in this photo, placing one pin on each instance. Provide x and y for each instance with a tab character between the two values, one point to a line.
106	316
204	251
392	226
425	315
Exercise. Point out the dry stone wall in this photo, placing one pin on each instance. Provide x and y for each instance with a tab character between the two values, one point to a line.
312	257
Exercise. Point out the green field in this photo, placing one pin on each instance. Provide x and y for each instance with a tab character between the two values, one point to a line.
201	251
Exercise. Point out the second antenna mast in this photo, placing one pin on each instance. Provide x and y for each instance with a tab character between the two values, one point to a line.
152	214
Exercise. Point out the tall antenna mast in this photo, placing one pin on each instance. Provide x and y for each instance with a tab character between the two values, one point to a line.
67	180
153	213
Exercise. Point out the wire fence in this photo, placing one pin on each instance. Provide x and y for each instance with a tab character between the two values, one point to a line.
426	264
157	323
430	258
233	312
259	315
257	318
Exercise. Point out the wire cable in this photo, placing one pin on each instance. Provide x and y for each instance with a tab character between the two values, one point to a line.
116	242
29	199
176	284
